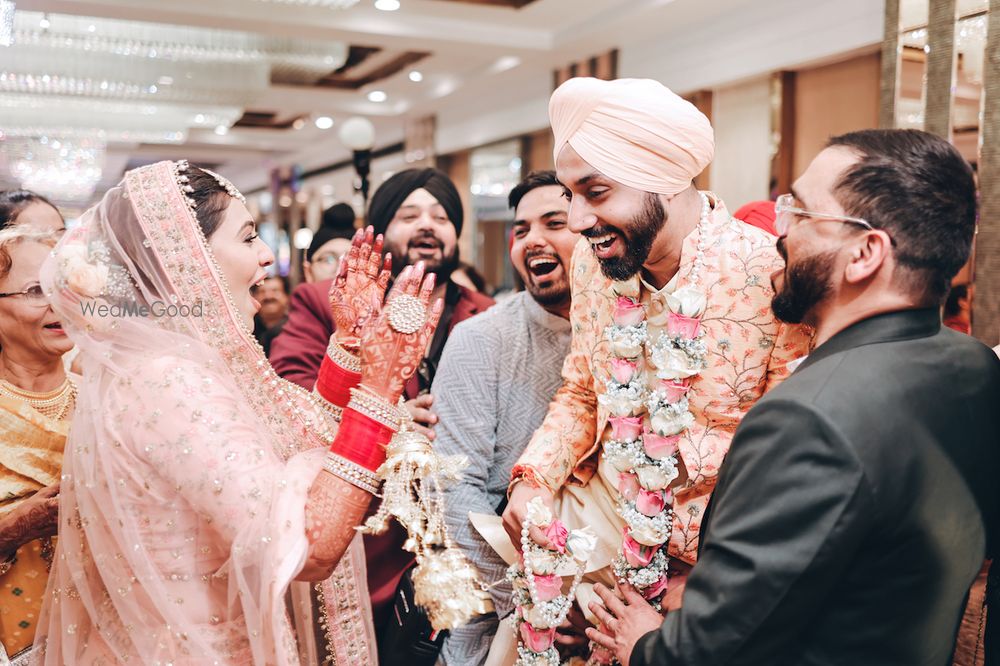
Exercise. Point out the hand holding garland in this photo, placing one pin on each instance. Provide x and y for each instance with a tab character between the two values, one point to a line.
625	618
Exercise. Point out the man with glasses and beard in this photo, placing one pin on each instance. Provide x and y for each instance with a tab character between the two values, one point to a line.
419	213
673	340
859	498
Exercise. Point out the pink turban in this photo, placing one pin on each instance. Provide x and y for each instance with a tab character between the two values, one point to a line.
635	131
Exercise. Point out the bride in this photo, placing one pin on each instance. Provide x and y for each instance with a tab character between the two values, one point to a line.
197	486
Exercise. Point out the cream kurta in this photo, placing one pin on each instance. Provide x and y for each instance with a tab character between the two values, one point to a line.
747	354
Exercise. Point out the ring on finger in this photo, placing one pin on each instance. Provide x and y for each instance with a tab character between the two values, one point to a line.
407	314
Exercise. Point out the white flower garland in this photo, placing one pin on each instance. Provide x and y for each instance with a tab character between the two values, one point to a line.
647	463
536	619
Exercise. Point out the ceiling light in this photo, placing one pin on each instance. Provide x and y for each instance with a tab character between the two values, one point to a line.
44	23
91	28
324	122
387	5
358	133
302	238
416	76
377	96
298	123
165	80
504	63
200	118
222	130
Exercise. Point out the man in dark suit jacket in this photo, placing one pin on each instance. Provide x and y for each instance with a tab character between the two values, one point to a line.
859	498
419	211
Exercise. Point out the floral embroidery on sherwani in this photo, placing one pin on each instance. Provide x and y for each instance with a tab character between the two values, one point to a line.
748	350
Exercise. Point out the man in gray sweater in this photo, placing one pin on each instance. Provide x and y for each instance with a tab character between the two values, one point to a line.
497	375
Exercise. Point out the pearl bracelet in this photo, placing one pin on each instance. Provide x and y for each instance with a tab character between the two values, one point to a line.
375	407
341	357
353	473
332	410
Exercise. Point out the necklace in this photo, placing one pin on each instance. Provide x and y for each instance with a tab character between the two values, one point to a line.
54	404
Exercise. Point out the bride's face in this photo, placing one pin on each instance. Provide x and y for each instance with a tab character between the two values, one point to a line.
242	256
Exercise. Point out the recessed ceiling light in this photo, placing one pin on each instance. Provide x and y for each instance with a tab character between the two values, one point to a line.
298	123
91	28
387	5
416	76
222	130
200	118
324	122
44	23
377	96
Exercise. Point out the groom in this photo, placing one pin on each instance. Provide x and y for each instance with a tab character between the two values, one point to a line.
673	339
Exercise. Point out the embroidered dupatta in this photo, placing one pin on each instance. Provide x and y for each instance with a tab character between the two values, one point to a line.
189	464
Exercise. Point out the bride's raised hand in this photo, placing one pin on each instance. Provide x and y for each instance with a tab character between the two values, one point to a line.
357	292
396	343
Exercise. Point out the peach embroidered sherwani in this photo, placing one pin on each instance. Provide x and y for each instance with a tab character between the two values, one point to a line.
747	354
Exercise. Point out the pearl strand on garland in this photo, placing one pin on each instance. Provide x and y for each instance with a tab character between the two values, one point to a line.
529	575
699	257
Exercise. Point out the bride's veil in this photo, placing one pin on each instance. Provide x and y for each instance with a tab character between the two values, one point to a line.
137	288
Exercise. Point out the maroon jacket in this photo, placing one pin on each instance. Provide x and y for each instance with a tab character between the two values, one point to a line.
296	355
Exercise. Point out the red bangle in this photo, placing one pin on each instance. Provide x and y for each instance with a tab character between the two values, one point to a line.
334	383
361	440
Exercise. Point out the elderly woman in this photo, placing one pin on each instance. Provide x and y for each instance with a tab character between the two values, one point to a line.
36	401
24	208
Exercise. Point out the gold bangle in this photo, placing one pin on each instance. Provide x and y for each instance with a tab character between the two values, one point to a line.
353	473
375	407
341	357
333	411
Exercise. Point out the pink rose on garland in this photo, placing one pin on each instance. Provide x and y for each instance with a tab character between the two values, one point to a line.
622	370
628	486
655	590
650	502
628	312
636	554
685	327
674	390
548	587
557	533
658	447
537	640
625	428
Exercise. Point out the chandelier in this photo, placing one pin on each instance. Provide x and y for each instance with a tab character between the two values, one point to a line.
6	22
70	85
62	169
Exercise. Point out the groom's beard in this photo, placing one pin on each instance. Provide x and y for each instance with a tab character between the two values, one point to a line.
637	238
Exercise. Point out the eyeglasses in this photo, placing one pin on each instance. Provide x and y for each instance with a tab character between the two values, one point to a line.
33	295
785	213
330	259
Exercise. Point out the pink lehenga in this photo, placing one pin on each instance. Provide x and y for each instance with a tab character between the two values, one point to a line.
188	466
